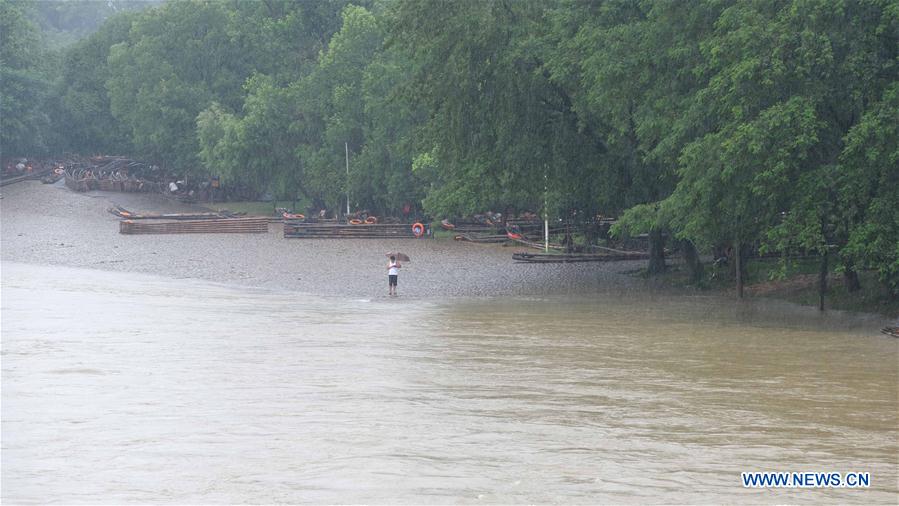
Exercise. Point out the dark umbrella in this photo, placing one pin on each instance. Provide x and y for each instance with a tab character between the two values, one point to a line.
402	257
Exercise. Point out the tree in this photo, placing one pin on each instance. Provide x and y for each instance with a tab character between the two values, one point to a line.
178	59
23	86
84	119
866	186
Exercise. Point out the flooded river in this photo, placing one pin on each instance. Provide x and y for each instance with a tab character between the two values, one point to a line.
122	387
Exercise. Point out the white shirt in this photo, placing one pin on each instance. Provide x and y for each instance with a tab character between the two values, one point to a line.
393	270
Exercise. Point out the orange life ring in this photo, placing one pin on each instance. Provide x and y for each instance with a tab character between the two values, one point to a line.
293	216
355	222
418	230
371	220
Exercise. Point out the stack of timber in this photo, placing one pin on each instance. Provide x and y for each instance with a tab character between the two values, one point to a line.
303	230
255	225
560	258
121	175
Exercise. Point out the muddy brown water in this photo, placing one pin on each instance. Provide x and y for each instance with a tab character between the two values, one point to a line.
131	388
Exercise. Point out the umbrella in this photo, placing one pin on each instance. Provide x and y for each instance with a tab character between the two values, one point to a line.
402	257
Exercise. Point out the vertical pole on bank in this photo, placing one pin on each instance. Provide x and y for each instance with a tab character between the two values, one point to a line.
545	214
346	146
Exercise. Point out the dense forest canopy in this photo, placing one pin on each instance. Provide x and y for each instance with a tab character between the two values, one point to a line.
770	124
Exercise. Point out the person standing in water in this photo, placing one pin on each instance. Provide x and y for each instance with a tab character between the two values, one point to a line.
392	271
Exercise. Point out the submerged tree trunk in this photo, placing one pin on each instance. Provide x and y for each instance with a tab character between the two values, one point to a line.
656	252
822	281
850	278
590	233
691	256
738	267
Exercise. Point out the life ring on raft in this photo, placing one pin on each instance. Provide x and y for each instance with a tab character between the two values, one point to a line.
418	230
371	220
355	222
59	172
289	216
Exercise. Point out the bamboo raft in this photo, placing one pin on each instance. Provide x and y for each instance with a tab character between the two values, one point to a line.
469	227
121	212
562	258
24	177
481	238
303	230
534	244
890	331
213	226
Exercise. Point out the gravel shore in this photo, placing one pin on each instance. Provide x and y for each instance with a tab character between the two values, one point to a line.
49	224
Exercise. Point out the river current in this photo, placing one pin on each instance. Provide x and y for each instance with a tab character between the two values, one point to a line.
128	388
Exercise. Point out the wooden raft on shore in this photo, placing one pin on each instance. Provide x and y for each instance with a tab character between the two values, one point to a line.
481	238
256	225
24	177
121	212
302	230
561	258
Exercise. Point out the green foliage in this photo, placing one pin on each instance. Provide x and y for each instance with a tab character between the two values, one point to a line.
24	121
771	123
867	188
65	22
84	118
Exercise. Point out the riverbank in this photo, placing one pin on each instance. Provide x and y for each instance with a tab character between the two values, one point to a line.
51	225
796	283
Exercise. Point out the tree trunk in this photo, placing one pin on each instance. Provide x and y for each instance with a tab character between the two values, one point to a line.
738	267
691	256
656	252
590	233
822	281
850	277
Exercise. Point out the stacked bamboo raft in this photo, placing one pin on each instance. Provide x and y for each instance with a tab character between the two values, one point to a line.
121	212
302	230
481	238
24	177
257	225
539	258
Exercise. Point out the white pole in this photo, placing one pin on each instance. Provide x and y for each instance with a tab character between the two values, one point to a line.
545	214
347	147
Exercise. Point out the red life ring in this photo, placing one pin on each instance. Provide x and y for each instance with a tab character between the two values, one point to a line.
418	230
371	220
